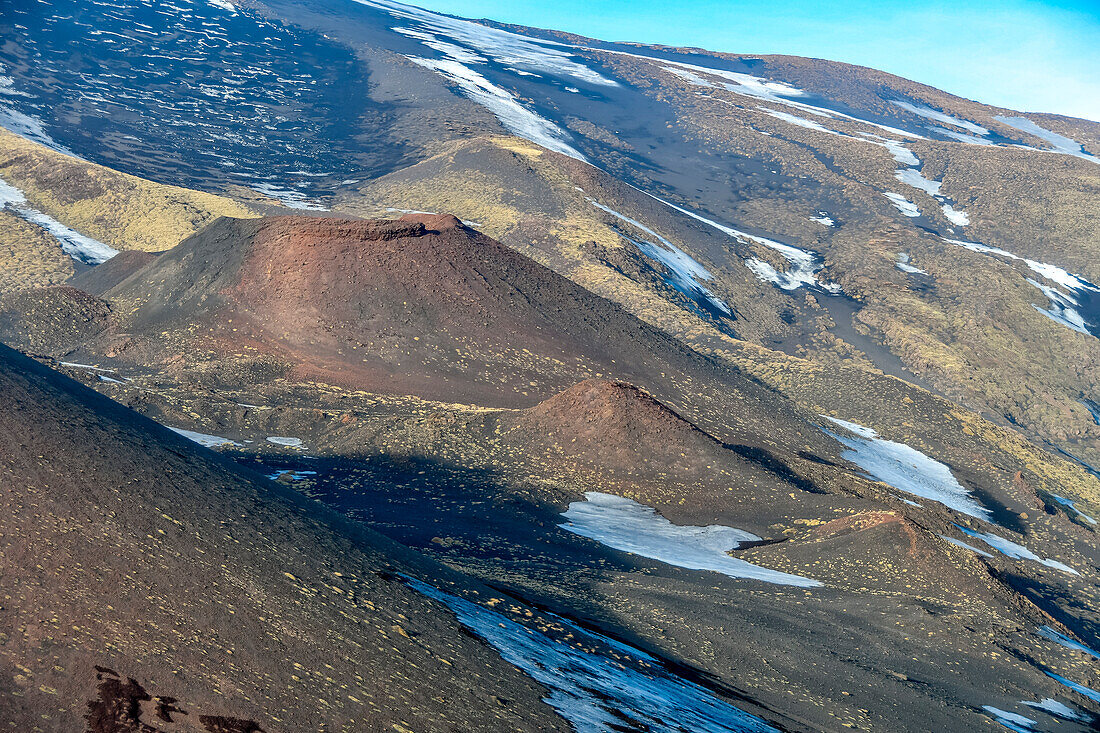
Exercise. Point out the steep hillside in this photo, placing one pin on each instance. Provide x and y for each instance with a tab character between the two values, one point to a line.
120	210
758	391
833	211
142	566
421	305
492	491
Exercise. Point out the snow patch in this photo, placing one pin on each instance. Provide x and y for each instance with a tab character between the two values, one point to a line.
1063	306
963	137
285	441
905	468
515	118
595	693
776	92
77	365
934	114
504	47
903	265
1012	721
631	527
823	219
1059	143
689	76
1057	275
739	83
686	273
803	270
956	216
804	264
966	546
288	197
799	121
1008	548
455	52
1057	709
30	128
912	177
898	151
904	205
1078	688
1057	637
203	439
294	475
224	5
982	248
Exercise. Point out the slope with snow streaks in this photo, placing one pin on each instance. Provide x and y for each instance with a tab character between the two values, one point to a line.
1064	307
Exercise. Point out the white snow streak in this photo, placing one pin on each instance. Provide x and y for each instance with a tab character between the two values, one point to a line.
933	114
504	47
1059	143
1057	709
963	137
626	525
288	197
203	439
686	272
285	441
1011	549
1071	504
1059	638
804	264
904	205
903	265
956	216
1063	306
596	693
1078	688
515	118
1012	721
78	246
28	127
966	546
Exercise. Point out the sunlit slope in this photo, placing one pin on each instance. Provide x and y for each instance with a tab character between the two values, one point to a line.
118	209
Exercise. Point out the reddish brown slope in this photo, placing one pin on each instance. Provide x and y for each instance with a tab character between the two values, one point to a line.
423	306
616	427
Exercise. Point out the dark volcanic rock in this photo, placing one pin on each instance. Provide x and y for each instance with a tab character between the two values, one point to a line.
198	586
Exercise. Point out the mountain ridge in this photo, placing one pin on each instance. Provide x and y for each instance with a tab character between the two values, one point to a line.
649	366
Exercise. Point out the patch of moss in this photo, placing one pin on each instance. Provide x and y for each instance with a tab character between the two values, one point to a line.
118	209
29	258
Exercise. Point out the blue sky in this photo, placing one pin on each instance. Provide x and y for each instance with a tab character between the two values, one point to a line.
1023	54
